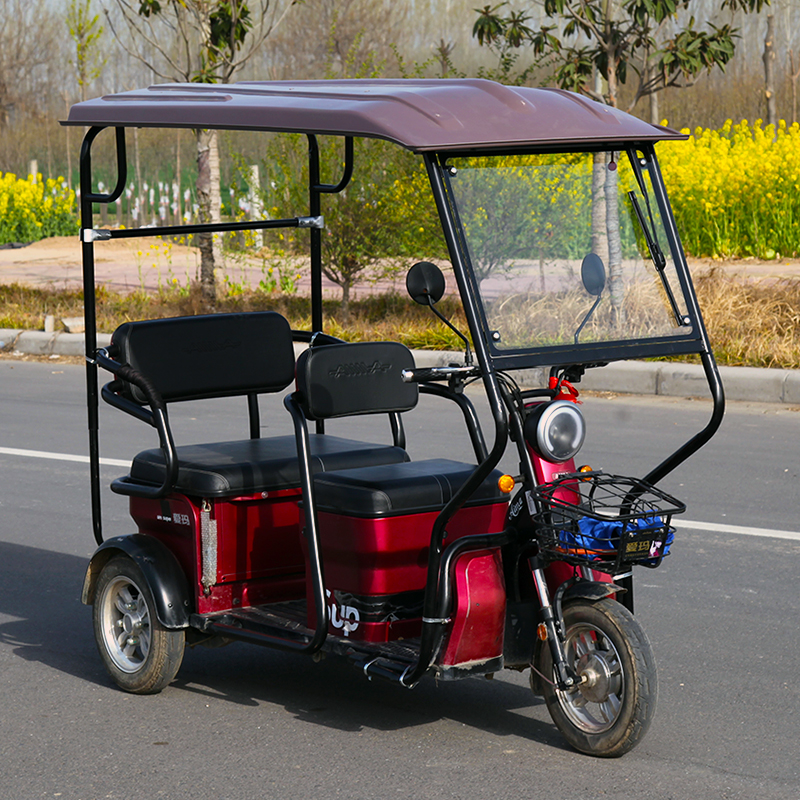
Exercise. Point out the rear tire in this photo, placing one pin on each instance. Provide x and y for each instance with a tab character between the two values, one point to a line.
611	711
140	654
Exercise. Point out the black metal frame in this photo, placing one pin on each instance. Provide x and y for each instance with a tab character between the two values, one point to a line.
89	235
492	360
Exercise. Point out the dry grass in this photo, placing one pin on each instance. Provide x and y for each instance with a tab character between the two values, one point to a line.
533	319
750	322
386	316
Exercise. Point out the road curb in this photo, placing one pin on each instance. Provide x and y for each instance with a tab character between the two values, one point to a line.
669	379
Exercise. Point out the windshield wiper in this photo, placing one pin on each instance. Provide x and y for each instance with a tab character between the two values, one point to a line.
656	253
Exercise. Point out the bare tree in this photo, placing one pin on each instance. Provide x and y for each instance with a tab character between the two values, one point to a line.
85	31
26	43
769	71
337	34
205	41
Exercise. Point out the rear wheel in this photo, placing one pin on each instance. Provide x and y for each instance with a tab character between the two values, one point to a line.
140	654
611	710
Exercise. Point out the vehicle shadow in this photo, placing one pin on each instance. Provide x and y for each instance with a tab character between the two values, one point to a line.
49	625
40	590
334	695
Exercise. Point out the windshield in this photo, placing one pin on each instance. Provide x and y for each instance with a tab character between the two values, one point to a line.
567	249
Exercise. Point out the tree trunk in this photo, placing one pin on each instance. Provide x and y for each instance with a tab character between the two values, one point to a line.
69	148
599	237
654	110
139	219
178	198
769	71
345	300
616	287
209	201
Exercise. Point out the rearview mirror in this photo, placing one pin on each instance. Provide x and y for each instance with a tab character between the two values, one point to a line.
593	274
425	283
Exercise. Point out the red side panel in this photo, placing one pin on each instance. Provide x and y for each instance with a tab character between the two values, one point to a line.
383	562
476	632
259	558
389	555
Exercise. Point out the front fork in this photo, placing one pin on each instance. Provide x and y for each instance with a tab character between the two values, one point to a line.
551	626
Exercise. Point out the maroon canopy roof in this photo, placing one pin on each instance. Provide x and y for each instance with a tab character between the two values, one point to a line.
417	114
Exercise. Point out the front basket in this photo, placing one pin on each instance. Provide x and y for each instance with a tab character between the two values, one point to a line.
607	522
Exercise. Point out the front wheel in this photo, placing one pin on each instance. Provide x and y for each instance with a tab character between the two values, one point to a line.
140	654
610	711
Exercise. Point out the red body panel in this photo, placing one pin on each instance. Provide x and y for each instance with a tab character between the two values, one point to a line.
390	554
476	631
259	558
378	558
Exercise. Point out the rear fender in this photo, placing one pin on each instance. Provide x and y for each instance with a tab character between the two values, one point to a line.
164	576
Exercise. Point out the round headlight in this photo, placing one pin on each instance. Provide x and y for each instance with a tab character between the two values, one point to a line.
556	430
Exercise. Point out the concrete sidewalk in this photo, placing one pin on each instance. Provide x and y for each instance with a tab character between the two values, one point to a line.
624	377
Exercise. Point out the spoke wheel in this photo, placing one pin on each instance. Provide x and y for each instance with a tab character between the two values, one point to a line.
140	654
611	710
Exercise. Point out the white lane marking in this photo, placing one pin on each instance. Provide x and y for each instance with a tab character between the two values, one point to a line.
737	529
680	523
14	451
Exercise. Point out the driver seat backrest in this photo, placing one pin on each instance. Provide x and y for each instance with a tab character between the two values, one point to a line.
350	379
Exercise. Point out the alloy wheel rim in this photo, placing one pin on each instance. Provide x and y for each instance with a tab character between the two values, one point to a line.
595	705
126	624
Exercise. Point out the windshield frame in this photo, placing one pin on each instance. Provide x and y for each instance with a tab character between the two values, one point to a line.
693	340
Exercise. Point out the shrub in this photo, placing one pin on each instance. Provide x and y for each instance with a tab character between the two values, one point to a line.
736	191
32	209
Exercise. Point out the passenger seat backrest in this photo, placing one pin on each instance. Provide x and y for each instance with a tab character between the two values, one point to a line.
342	380
214	355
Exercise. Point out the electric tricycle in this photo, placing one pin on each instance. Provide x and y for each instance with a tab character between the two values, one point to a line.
565	256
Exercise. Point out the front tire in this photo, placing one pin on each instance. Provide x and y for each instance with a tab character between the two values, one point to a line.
610	712
140	654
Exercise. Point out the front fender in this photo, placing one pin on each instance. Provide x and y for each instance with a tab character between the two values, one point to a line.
161	570
591	590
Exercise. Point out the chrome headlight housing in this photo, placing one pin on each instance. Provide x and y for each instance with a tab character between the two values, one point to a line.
555	430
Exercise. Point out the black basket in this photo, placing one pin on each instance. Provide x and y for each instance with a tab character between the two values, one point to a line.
607	522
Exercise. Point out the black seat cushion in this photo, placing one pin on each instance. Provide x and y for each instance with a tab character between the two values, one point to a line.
404	488
258	465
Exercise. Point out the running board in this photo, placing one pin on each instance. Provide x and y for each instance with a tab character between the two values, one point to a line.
283	626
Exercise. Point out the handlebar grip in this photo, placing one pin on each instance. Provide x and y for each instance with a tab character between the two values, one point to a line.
423	374
419	375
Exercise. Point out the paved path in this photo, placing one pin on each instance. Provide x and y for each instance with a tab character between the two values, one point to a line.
126	265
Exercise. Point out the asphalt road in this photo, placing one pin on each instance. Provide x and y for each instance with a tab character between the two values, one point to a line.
244	722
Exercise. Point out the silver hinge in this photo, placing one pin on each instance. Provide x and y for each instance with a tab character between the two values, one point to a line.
94	235
311	222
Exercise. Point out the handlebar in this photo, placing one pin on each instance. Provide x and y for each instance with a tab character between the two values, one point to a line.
423	374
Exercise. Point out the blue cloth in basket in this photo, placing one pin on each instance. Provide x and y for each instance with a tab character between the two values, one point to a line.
603	536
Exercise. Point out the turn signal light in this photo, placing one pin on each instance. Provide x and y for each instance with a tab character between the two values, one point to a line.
541	631
585	468
505	483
